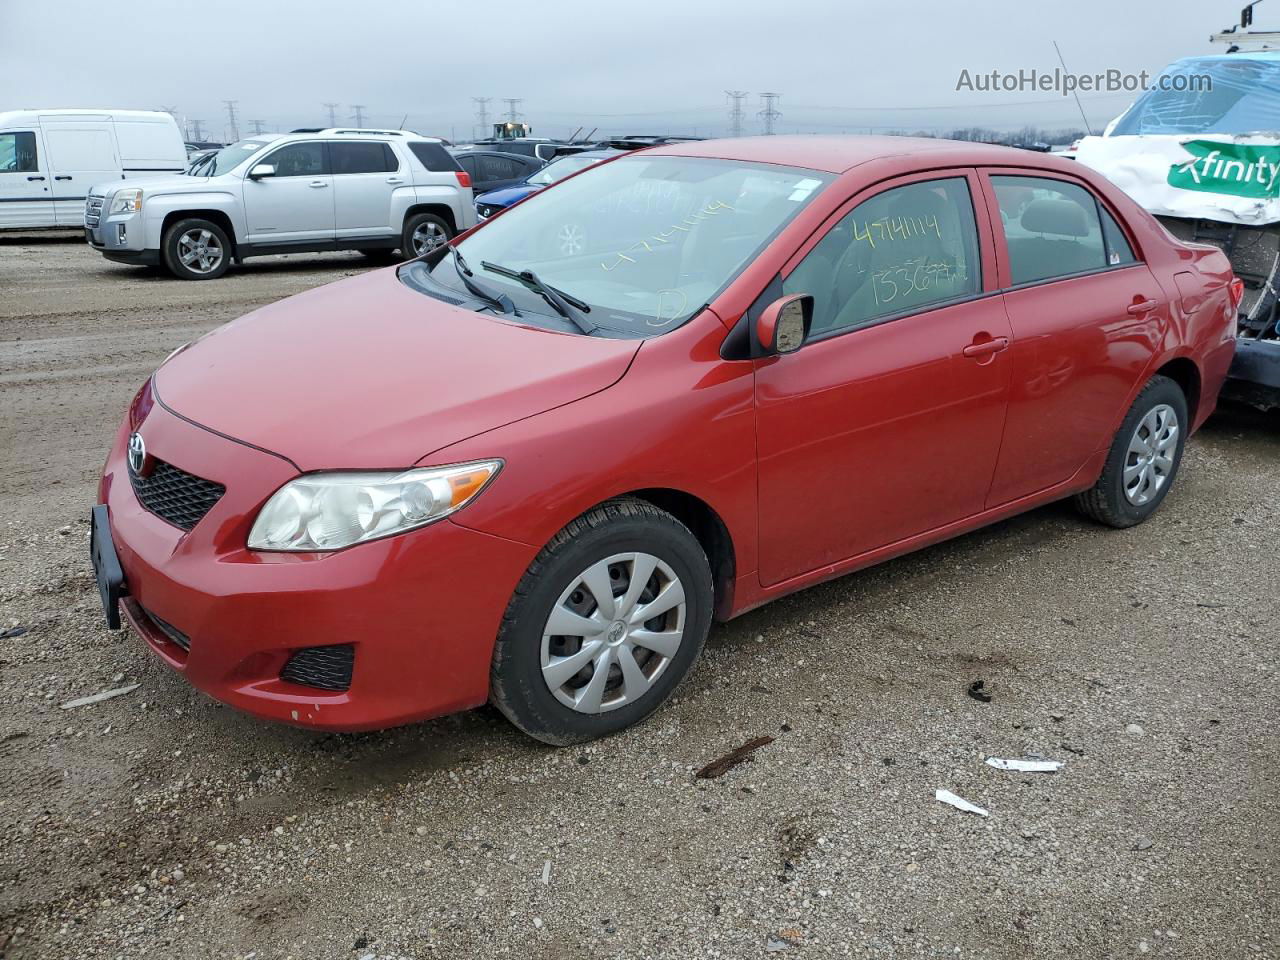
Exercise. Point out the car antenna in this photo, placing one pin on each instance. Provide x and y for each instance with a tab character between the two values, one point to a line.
1079	105
573	135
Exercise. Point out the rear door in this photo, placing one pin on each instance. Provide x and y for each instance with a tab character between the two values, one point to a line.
365	174
80	153
295	205
25	189
496	170
1087	317
886	423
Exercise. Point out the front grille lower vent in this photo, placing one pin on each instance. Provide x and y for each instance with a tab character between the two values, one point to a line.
326	668
169	630
174	495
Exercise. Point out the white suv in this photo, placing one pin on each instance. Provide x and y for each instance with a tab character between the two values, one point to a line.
369	190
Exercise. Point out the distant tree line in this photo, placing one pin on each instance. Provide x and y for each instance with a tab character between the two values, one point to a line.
1027	136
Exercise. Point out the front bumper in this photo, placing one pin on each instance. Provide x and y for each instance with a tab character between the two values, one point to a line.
1254	377
117	236
421	609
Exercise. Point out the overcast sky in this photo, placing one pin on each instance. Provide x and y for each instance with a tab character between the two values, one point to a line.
625	66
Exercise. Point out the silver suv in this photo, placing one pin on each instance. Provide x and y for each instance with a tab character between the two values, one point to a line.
375	191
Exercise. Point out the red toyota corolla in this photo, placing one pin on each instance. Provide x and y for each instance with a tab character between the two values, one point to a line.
532	472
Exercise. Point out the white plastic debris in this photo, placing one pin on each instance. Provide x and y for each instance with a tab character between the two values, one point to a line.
546	873
1025	766
946	796
99	697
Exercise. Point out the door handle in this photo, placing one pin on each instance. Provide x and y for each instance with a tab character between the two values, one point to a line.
317	184
63	177
986	347
1146	306
395	180
35	178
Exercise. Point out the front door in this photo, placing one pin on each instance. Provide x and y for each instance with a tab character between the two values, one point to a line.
25	194
80	154
887	423
295	204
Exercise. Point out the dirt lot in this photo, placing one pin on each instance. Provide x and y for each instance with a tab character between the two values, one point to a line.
160	824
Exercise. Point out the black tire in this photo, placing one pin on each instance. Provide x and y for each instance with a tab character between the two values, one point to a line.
420	220
517	687
1106	501
172	257
379	255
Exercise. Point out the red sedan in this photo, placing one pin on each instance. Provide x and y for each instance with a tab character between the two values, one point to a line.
506	472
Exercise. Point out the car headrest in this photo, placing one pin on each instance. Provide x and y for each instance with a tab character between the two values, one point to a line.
1061	217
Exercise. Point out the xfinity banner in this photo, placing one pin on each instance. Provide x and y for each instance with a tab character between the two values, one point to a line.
1230	179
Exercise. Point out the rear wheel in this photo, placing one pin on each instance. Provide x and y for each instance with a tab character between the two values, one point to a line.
605	623
196	249
423	232
1144	457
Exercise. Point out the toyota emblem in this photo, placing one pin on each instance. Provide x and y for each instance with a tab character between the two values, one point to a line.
137	453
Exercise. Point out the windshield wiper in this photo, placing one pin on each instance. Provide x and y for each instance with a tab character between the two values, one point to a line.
567	305
499	300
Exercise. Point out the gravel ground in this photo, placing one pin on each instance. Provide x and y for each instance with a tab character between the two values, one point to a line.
161	824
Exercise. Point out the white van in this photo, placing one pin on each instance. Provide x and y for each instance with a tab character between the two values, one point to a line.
50	158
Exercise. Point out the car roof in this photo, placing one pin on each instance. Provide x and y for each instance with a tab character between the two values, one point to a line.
592	153
836	154
331	133
86	113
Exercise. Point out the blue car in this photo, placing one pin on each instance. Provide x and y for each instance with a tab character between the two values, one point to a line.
487	204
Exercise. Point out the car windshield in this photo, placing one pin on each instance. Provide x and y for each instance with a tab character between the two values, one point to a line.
228	158
559	169
644	241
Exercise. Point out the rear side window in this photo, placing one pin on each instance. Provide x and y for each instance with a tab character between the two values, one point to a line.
18	152
299	160
361	158
903	249
434	157
499	168
1051	227
1118	249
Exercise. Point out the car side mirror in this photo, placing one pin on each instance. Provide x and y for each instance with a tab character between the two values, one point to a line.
783	327
261	170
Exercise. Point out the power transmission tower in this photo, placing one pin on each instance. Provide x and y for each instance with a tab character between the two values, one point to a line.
735	110
257	127
357	114
513	108
333	113
482	114
769	111
232	127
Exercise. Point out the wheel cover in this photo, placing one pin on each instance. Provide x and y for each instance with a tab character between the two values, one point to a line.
200	251
427	236
1149	461
613	632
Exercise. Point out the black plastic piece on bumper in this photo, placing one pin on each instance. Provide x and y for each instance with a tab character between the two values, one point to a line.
137	258
325	668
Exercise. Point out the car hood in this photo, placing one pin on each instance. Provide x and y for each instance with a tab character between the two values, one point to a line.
162	183
507	195
368	373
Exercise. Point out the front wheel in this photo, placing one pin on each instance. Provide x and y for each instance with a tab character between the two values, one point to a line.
1144	457
608	619
423	232
196	249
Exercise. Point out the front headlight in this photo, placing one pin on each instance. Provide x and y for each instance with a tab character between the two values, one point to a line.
127	201
329	511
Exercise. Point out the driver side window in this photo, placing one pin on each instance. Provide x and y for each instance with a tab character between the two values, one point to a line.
903	249
299	160
18	152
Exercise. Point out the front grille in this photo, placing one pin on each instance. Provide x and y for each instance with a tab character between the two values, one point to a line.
93	210
174	495
169	630
327	668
